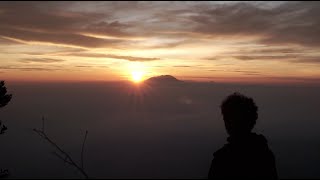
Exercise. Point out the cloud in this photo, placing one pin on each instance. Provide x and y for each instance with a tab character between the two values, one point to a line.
197	77
312	60
54	51
264	51
43	16
91	66
132	58
41	60
100	55
265	57
288	58
313	80
113	28
70	39
85	23
83	66
245	72
168	45
28	68
182	66
53	23
294	55
294	58
240	18
289	23
7	41
97	25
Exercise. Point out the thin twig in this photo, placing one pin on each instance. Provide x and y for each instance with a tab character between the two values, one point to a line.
64	159
42	124
67	158
82	149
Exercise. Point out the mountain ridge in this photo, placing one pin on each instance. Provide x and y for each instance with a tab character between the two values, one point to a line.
163	79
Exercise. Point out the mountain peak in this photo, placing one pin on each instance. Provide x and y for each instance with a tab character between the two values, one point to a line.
162	79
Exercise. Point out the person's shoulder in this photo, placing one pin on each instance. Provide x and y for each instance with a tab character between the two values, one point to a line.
222	151
260	141
261	146
259	138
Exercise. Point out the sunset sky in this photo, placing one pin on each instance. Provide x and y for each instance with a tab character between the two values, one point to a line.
201	41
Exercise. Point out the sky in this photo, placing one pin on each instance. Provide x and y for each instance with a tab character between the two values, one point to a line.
260	42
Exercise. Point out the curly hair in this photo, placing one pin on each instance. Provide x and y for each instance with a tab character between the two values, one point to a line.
240	113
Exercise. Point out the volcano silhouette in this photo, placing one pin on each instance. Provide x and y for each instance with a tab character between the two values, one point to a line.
163	79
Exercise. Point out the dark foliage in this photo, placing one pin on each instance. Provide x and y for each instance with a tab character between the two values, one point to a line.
4	97
4	100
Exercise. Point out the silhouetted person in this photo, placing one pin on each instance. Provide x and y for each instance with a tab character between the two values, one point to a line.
246	155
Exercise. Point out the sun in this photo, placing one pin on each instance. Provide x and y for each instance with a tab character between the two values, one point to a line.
138	71
137	76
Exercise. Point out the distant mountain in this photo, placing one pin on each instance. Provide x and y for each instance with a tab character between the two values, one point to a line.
163	79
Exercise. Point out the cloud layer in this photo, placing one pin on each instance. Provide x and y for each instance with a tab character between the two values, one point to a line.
175	34
67	22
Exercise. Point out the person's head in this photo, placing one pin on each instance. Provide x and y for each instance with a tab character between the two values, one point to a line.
239	113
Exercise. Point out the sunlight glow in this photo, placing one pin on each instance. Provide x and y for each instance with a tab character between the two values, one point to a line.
137	71
137	76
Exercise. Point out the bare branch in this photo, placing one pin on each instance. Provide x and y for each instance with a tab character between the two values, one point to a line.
42	124
67	158
82	149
